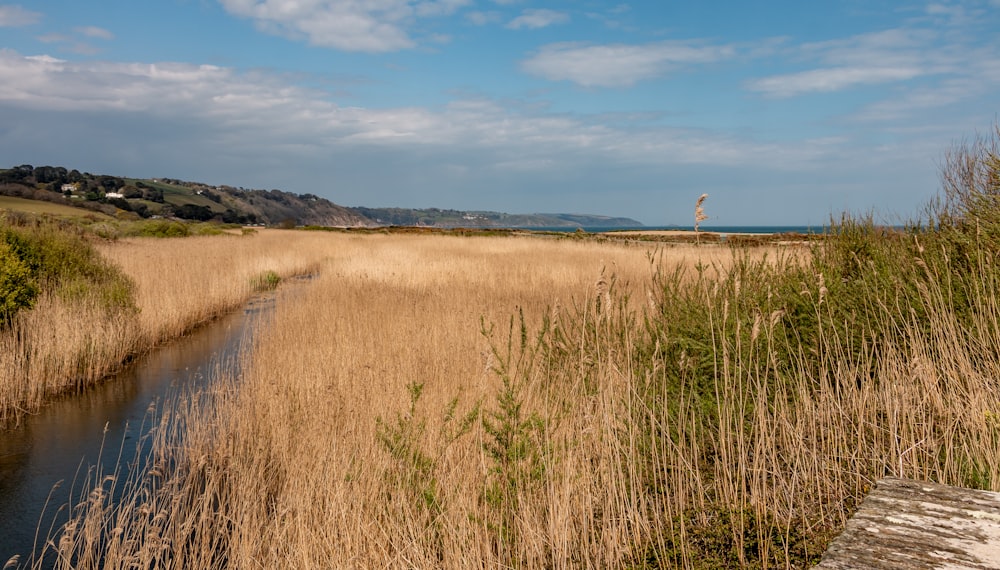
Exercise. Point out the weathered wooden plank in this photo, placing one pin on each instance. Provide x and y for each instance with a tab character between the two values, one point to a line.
905	524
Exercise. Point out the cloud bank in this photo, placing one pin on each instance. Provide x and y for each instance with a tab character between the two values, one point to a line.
351	25
619	65
535	19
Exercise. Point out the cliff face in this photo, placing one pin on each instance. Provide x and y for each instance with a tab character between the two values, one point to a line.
276	206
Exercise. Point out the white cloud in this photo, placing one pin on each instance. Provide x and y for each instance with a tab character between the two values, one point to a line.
886	47
936	9
72	43
619	65
888	56
349	25
54	38
534	19
958	14
94	32
980	79
13	15
42	58
219	125
926	66
429	8
830	79
480	18
262	114
611	18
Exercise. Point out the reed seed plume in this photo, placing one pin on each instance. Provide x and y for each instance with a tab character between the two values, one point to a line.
699	213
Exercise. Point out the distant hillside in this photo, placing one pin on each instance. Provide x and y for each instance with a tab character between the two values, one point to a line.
166	197
457	218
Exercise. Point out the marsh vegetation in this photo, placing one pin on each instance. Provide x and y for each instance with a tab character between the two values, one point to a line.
75	307
437	401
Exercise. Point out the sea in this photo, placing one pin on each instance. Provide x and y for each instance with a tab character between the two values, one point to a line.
713	229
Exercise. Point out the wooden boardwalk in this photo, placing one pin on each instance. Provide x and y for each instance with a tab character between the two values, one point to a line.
905	524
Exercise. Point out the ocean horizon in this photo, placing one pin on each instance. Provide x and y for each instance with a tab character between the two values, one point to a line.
712	229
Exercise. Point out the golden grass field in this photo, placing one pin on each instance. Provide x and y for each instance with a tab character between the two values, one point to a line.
61	347
436	401
377	425
333	466
385	311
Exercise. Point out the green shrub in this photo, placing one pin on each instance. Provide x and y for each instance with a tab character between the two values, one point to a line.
161	229
208	229
412	480
265	281
47	255
730	346
17	289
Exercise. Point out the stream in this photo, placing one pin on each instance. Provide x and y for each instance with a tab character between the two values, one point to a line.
51	451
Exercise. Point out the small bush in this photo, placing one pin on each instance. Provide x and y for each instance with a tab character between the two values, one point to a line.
162	229
17	289
207	229
265	281
412	481
39	255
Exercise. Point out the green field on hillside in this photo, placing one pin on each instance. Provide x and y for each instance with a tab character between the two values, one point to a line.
180	195
40	207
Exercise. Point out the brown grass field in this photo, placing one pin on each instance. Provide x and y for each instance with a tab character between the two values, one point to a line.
436	401
341	355
395	412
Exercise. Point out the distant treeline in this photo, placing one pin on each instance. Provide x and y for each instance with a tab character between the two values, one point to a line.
106	194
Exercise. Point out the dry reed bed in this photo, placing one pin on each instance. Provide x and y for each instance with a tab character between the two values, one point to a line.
181	283
325	457
60	346
351	442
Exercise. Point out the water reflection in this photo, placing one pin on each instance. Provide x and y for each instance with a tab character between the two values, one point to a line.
65	439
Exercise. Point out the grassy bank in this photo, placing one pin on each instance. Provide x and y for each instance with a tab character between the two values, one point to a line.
67	316
86	305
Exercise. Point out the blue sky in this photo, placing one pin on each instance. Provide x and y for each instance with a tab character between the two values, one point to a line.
783	112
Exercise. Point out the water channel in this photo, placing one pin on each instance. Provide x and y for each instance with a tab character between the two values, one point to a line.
41	458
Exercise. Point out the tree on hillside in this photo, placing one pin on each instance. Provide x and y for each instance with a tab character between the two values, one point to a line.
131	192
193	212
